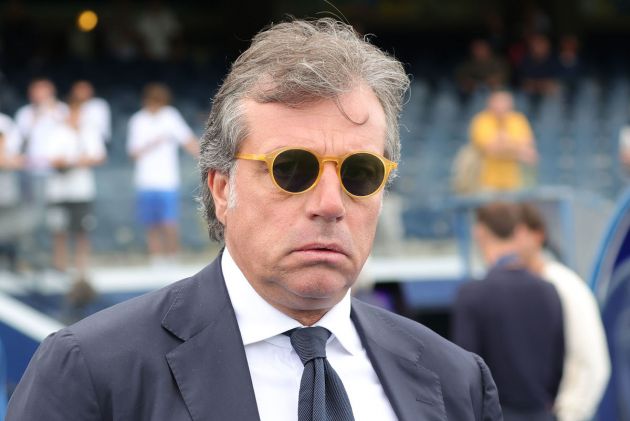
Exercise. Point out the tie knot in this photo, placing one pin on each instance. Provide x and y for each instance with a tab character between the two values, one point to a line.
309	342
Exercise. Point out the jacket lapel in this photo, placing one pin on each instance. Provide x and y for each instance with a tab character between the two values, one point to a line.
413	390
210	366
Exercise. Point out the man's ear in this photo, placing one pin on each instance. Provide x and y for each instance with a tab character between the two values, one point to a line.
219	186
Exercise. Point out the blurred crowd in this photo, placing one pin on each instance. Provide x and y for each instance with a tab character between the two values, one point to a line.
502	153
529	64
520	48
50	146
47	155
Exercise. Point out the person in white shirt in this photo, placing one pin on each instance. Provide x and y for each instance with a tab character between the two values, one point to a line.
10	160
95	112
11	142
155	134
72	150
587	362
37	120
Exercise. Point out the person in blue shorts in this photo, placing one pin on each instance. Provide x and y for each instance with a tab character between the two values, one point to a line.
155	134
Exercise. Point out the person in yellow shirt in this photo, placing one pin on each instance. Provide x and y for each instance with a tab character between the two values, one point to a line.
506	142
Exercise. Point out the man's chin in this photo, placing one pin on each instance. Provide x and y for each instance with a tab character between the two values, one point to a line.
322	295
320	281
308	310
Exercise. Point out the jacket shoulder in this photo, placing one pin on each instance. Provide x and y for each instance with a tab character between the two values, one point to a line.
135	313
463	376
411	333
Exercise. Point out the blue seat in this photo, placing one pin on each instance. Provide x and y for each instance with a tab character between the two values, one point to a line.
428	223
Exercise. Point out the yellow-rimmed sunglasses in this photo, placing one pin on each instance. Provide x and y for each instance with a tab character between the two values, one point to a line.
297	170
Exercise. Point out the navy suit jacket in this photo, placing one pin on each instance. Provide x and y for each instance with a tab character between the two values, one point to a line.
177	354
513	319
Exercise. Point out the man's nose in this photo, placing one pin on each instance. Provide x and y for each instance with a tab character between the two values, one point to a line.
326	200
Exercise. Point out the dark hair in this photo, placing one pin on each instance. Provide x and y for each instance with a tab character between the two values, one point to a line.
157	93
501	218
532	218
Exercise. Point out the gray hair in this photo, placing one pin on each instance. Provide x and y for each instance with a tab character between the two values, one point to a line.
296	63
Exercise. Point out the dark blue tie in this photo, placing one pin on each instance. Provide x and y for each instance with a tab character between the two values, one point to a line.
322	395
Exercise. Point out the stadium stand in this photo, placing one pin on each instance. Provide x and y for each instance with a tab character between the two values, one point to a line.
577	142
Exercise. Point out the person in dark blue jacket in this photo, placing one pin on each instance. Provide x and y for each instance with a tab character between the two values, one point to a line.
513	320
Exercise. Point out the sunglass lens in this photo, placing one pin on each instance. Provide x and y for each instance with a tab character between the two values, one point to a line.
362	174
295	170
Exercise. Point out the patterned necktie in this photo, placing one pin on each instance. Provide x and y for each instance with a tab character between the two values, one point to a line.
322	395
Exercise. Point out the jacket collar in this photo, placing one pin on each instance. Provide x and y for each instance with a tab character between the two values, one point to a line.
210	366
414	391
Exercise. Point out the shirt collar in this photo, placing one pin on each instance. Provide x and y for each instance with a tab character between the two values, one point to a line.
509	261
260	321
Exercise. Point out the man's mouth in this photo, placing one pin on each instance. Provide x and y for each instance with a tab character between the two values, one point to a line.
322	248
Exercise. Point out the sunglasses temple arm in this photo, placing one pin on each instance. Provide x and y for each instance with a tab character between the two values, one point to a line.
252	156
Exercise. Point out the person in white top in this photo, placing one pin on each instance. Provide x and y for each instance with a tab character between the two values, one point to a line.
155	134
72	150
11	141
10	160
587	362
95	112
37	120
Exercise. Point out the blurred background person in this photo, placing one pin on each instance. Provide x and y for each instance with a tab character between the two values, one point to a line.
72	150
121	39
36	120
587	363
10	161
539	71
483	70
94	111
570	65
506	143
495	31
155	134
512	319
158	28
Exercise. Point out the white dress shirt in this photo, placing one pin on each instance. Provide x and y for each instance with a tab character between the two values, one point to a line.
276	369
586	361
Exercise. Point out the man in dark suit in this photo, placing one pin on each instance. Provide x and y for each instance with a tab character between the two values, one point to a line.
513	319
300	142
